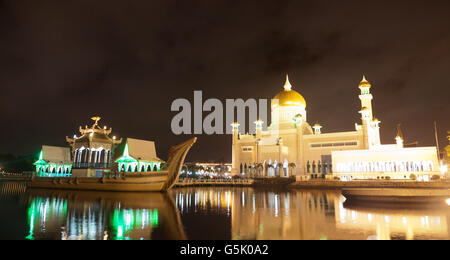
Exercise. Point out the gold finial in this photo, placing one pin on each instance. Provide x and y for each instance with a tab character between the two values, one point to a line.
287	84
96	119
364	83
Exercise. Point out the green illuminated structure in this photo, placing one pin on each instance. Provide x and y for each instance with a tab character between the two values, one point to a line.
138	156
54	162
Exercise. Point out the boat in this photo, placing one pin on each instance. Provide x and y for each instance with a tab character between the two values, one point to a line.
123	181
397	195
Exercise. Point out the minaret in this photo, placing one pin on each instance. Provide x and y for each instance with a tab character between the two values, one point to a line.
366	97
368	126
299	127
235	169
376	130
258	127
317	128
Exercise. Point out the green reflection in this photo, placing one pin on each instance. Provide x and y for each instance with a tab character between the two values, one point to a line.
41	212
125	220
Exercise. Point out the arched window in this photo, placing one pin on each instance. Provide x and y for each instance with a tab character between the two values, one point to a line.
308	167
108	156
87	153
319	167
93	156
82	155
314	167
75	156
102	158
285	168
264	168
155	168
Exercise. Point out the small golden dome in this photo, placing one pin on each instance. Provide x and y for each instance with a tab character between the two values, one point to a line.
289	97
364	83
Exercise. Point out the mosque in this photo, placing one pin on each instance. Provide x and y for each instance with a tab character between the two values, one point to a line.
293	147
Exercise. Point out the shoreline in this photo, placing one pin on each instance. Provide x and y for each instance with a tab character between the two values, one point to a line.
312	184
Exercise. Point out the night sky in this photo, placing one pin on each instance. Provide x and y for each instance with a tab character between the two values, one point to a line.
62	62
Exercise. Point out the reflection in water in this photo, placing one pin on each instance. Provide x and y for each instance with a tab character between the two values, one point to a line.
101	215
263	214
12	188
217	213
130	221
388	221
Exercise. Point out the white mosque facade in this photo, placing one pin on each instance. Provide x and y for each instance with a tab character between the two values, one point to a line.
293	147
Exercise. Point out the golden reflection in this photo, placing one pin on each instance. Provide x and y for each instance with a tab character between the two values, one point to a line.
309	214
400	221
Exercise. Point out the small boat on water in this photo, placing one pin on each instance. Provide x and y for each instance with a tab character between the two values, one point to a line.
397	195
121	181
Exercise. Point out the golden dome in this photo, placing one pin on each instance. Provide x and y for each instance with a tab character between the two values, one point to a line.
289	97
364	83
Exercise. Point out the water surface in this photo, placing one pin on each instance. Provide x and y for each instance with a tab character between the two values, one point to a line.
210	213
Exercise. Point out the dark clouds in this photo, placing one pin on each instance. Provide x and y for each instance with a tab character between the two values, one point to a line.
62	62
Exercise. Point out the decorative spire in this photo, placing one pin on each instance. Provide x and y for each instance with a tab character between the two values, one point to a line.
126	158
125	152
399	132
364	83
287	84
96	119
40	161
